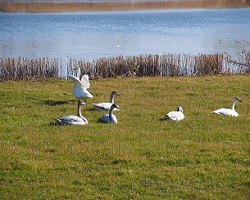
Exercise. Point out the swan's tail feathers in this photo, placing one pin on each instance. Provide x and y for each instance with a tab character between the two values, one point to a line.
218	113
59	121
167	117
215	112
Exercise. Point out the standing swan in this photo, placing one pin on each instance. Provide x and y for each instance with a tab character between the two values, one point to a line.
72	119
228	111
105	105
110	118
80	86
175	115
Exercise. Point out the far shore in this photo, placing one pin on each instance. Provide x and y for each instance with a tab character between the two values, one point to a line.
55	7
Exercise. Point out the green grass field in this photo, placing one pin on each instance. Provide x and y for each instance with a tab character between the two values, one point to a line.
205	156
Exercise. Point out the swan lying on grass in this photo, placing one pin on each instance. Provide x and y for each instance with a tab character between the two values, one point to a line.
80	86
228	111
106	105
110	118
73	119
175	115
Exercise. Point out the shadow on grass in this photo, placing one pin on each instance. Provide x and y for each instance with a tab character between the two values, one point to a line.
93	110
55	103
54	123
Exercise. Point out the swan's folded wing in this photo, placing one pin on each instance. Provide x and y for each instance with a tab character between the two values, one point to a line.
102	106
226	112
170	117
85	81
174	116
69	120
219	112
105	118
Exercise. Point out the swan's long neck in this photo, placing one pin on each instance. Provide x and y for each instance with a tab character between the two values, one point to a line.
233	104
78	73
79	113
112	98
111	113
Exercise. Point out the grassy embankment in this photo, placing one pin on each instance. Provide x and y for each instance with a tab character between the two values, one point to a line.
118	6
142	157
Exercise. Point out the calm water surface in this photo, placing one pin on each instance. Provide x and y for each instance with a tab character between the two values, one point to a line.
95	35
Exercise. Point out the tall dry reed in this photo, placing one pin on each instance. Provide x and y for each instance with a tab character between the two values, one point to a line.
95	6
26	69
126	66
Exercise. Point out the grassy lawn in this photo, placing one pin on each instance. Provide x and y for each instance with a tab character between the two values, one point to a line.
205	156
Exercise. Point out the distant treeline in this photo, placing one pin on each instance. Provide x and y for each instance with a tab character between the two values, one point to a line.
55	7
129	66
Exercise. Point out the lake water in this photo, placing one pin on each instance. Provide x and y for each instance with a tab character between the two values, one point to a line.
95	35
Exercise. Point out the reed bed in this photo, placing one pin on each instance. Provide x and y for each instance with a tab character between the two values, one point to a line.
26	69
126	66
49	7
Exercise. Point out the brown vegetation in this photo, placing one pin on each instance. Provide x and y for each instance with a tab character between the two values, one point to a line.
131	66
26	69
50	7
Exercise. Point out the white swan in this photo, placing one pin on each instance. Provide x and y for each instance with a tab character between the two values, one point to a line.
175	115
110	118
73	119
106	105
80	86
84	79
228	111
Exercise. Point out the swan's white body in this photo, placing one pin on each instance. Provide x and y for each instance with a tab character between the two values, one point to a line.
110	118
175	115
73	119
228	111
80	86
105	105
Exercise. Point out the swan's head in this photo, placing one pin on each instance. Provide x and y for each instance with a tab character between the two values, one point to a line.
78	71
180	109
76	68
83	103
237	99
114	106
115	93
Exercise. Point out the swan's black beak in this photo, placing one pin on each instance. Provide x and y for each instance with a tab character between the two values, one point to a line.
115	106
116	93
81	103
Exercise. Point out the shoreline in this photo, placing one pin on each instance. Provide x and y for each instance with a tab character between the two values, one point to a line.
55	7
